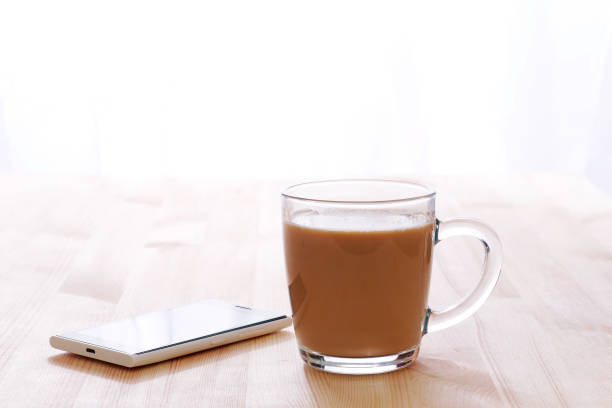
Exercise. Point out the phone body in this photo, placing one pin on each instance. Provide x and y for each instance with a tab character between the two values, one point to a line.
158	336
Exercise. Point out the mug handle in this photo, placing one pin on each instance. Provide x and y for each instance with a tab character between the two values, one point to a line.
436	321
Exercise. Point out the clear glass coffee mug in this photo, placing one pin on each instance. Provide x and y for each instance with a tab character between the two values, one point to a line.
358	255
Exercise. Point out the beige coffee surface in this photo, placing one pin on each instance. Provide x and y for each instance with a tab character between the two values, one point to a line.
358	293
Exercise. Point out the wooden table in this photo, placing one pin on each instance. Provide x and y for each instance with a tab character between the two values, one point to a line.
78	252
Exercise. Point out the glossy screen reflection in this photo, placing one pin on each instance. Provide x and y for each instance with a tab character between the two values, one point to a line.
153	331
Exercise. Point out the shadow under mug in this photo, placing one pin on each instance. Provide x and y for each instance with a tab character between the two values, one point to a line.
358	255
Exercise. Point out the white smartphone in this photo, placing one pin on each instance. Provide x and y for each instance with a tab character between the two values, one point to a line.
159	336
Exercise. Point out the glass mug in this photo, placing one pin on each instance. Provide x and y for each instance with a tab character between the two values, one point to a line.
358	255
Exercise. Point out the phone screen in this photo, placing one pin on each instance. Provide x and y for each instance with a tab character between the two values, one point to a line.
153	331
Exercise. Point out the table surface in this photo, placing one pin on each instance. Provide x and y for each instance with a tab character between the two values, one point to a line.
78	252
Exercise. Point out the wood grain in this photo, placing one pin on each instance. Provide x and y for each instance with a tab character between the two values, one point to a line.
77	252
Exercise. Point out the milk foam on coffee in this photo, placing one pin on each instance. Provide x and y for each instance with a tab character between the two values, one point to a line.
360	222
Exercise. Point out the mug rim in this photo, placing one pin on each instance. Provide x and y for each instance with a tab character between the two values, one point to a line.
429	192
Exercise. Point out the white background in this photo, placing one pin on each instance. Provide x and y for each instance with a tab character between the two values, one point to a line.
306	89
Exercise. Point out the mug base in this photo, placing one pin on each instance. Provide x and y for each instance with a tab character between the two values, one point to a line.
359	365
